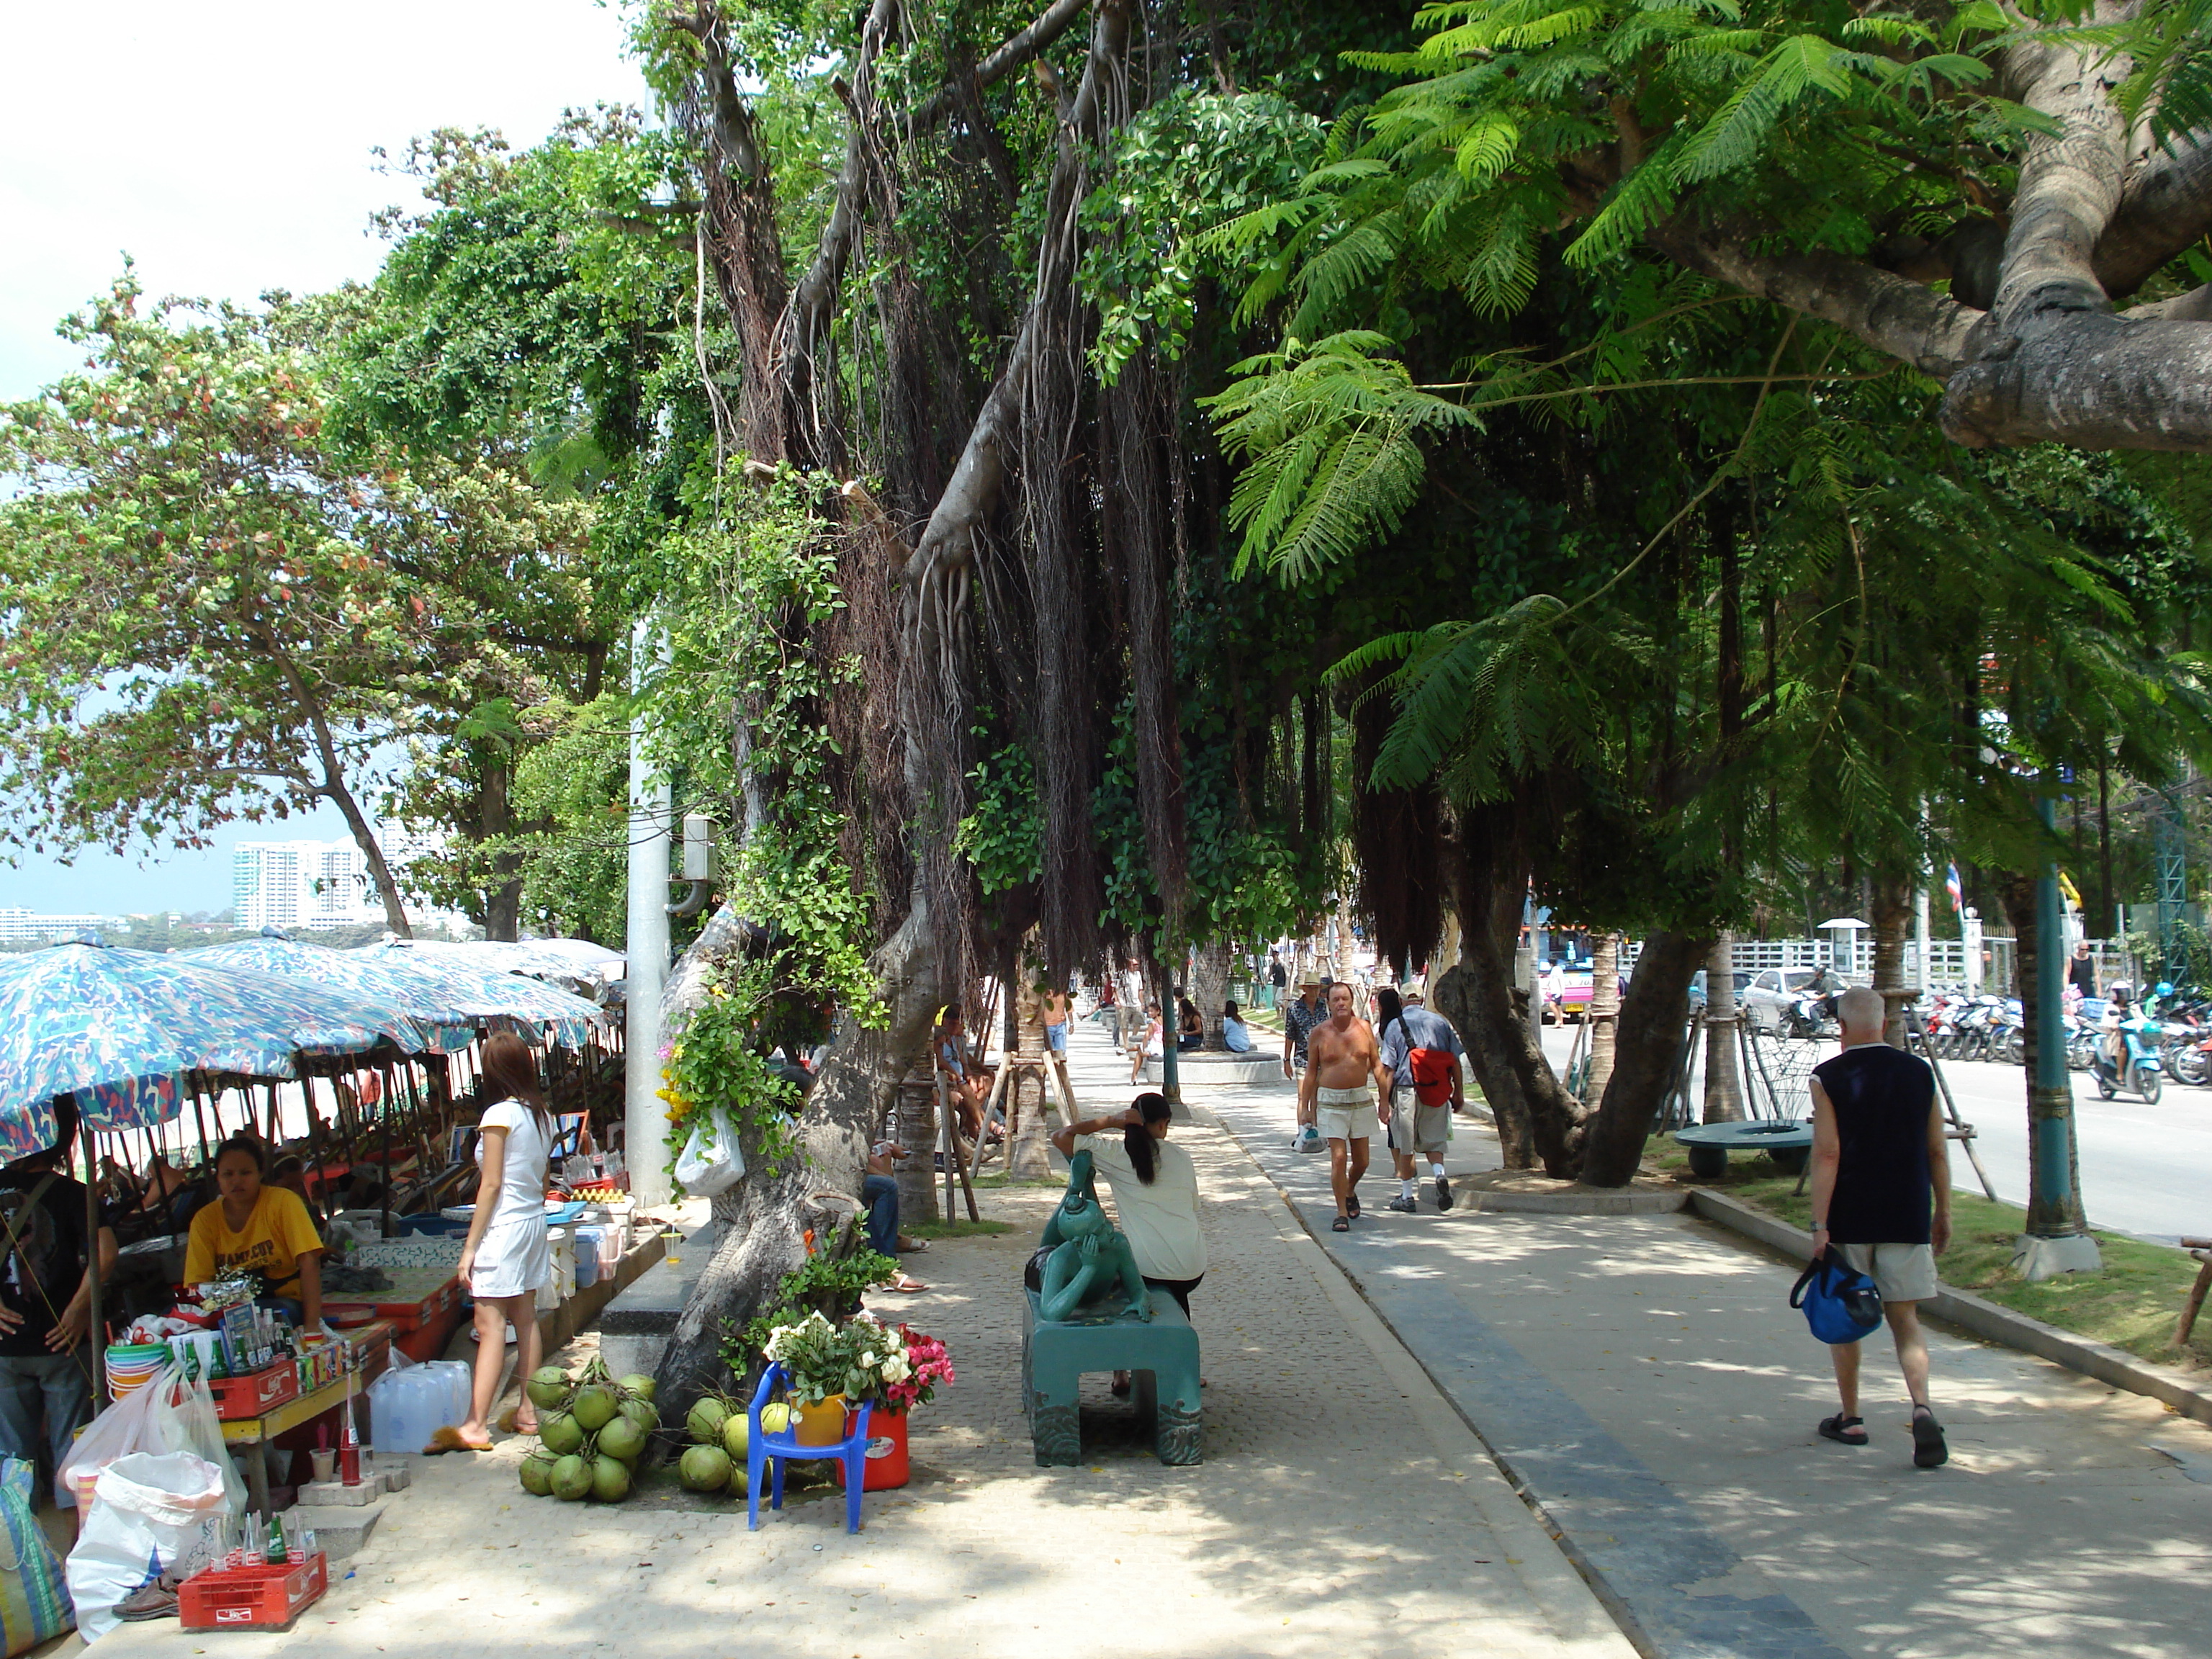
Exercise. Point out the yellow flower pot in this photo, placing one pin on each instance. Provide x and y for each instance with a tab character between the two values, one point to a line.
822	1424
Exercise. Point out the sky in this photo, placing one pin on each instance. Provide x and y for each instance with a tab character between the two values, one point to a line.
226	147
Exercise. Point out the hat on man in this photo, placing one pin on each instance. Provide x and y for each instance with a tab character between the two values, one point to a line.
1309	982
1411	992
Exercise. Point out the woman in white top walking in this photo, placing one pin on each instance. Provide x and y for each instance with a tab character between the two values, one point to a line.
1155	1188
507	1258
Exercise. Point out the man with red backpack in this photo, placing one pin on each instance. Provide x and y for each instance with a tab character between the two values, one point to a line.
1423	1054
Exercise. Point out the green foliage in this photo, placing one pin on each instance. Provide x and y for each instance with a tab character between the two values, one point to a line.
999	836
1179	167
831	1286
717	1061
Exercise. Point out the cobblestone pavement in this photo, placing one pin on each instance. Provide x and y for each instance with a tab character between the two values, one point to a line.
1343	1508
1646	1380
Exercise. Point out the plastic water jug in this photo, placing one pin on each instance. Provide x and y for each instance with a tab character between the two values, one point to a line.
587	1256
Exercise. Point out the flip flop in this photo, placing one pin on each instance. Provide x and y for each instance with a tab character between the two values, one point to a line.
907	1285
448	1439
1929	1449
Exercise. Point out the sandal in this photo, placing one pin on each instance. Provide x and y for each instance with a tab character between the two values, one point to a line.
912	1246
1352	1206
1929	1449
1341	1224
1845	1431
907	1284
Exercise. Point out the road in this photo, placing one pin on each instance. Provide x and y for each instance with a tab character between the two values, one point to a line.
2145	1170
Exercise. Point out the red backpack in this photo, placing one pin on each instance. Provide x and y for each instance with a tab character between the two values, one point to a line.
1432	1071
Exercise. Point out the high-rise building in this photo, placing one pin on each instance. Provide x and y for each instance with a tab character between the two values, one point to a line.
320	884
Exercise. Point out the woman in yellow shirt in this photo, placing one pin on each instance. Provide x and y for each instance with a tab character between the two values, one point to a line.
258	1229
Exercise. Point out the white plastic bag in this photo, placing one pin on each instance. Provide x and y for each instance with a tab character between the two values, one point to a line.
128	1426
150	1511
710	1161
188	1423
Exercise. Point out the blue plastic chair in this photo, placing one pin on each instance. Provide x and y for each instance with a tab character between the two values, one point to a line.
762	1448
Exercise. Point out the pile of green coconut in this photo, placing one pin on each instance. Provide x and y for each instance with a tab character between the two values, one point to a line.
591	1429
720	1434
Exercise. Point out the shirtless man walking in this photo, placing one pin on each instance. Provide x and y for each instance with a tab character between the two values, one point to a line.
1344	1068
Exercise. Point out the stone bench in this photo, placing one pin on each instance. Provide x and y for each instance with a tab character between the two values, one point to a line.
1202	1067
1161	1359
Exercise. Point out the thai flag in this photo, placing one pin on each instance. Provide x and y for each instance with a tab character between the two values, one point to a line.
1955	889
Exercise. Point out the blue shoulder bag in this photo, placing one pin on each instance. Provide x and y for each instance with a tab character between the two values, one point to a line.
1839	1302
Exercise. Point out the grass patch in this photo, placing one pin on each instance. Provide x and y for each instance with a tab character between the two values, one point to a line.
999	1178
2133	1304
957	1228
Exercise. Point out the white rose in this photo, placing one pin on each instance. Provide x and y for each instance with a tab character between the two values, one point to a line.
896	1369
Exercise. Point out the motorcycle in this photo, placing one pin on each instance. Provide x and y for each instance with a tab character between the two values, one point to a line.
1813	1014
2144	1072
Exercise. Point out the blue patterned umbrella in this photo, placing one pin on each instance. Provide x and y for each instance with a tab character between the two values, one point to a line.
117	1030
389	982
535	1011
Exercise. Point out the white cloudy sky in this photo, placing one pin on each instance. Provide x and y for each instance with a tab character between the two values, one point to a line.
226	147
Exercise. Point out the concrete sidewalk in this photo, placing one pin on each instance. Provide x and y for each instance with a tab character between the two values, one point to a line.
1643	1381
1343	1508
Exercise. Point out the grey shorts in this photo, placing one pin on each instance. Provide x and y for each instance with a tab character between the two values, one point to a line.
1415	1127
1902	1272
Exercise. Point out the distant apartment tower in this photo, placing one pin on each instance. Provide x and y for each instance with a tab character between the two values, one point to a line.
42	927
309	885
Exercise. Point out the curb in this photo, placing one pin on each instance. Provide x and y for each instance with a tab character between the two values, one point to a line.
1978	1316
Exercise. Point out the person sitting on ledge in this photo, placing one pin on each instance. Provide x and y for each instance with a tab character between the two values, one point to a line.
1236	1036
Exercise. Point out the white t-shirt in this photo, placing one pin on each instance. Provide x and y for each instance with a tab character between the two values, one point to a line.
522	1174
1161	1220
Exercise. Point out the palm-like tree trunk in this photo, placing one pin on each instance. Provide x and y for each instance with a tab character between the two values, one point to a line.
1723	1047
1604	1012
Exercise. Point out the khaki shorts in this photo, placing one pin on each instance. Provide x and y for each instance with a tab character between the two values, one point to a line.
1415	1127
1349	1116
1902	1272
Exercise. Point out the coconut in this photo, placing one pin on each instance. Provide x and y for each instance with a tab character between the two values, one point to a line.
637	1384
622	1439
736	1436
610	1480
595	1407
642	1413
705	1468
559	1433
776	1418
548	1385
705	1423
538	1475
571	1478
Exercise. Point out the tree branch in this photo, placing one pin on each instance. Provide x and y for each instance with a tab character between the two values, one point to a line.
1010	54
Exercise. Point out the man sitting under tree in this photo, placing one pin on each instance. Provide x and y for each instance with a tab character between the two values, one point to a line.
1344	1067
1881	1195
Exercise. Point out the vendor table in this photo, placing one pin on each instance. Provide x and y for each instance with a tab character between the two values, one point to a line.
1788	1141
257	1432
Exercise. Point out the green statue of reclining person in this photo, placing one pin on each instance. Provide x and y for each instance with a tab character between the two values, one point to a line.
1089	1258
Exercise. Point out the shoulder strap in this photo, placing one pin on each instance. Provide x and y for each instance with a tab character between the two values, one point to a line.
31	1280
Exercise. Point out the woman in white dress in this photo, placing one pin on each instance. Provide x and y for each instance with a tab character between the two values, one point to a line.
505	1258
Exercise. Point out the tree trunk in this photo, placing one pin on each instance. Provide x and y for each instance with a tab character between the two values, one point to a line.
495	822
1723	1047
1209	990
2050	1119
1893	926
763	1220
1647	1056
1447	956
1028	1091
1604	1011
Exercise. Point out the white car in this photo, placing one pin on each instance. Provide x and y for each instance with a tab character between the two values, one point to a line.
1773	993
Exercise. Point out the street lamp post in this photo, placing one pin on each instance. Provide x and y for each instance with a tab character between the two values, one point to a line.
2057	1240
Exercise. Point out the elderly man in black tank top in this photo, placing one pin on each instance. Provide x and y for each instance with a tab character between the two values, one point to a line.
1882	1195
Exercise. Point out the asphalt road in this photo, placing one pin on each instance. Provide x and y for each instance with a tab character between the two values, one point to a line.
2145	1170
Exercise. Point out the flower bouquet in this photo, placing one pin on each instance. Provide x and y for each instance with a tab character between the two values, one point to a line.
925	1365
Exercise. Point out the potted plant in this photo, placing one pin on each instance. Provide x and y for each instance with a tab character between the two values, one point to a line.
902	1367
821	1364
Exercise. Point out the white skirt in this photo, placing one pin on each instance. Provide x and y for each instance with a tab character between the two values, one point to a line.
513	1259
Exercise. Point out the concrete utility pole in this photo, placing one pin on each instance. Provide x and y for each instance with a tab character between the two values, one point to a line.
651	807
2055	1242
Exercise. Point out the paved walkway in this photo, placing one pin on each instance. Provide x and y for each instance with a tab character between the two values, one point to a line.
1644	1381
1344	1508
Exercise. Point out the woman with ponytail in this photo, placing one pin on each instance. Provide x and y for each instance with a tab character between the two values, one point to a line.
1155	1188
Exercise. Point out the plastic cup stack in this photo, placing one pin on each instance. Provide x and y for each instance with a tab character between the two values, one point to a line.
131	1365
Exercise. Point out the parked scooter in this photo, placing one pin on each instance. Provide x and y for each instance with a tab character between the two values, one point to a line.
2141	1068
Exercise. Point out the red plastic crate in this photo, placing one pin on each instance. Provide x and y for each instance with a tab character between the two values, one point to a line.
256	1393
251	1598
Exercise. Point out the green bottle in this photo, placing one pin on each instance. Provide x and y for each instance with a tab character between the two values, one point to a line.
278	1553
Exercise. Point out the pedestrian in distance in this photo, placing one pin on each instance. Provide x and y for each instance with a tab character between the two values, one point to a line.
1279	979
880	1192
1416	1046
1344	1070
2082	972
1881	1197
1133	1000
1299	1018
1149	1046
1055	1020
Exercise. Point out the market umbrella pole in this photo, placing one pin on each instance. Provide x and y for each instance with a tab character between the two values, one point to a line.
94	1341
